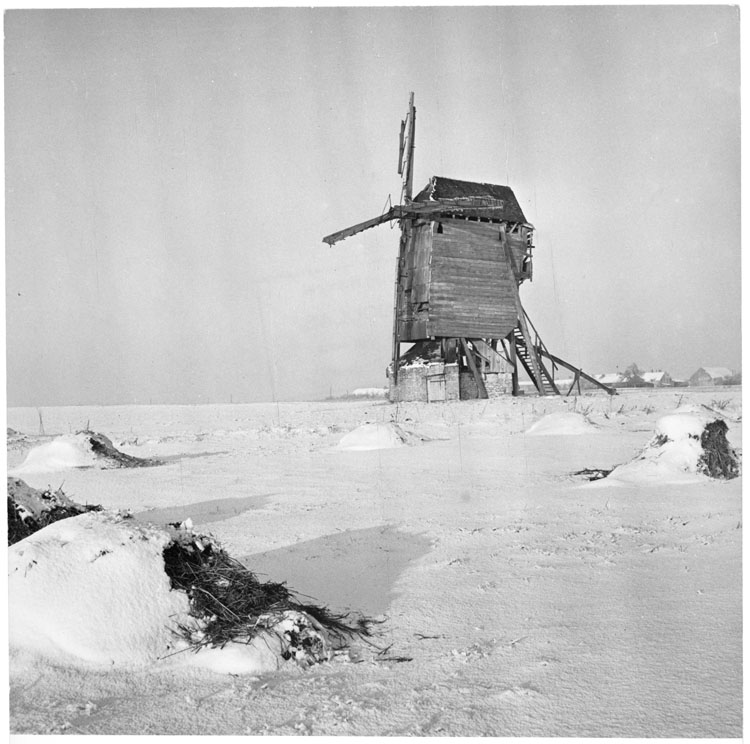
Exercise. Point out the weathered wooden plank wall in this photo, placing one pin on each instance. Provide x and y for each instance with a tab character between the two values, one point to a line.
457	282
415	284
517	244
471	284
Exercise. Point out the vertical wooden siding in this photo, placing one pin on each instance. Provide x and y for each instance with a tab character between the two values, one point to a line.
415	283
471	283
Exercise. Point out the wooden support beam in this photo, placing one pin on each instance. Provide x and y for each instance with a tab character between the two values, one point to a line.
513	356
415	210
576	379
473	367
450	350
396	349
589	378
488	353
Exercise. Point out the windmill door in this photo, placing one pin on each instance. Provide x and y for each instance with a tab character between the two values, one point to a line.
435	388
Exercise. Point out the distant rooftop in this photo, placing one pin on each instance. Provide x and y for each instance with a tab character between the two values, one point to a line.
610	378
652	376
717	372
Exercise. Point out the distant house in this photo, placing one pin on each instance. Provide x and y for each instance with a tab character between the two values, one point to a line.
635	381
658	379
613	379
711	376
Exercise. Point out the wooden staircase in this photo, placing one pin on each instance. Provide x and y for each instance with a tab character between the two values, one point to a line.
544	381
531	351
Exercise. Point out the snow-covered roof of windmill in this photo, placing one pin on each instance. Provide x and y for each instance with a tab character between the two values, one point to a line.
440	188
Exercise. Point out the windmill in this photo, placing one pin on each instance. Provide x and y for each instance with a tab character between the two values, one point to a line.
464	251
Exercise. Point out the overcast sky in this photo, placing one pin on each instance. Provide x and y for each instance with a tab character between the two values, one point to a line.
170	175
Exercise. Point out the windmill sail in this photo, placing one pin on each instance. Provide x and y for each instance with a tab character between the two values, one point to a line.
406	154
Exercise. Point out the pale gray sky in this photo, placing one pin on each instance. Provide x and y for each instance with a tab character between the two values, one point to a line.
170	175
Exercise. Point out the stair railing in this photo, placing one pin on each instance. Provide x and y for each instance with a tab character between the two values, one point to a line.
539	345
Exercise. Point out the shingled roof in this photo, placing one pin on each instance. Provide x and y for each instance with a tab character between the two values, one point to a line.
450	189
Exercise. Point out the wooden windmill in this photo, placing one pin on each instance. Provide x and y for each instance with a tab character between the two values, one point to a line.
465	249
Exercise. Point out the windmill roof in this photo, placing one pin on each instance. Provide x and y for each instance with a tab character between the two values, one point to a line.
450	189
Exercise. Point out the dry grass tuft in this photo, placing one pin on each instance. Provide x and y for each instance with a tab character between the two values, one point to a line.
232	604
719	460
102	446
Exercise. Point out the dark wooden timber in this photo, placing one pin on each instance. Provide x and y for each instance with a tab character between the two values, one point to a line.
414	210
396	348
473	367
578	372
513	356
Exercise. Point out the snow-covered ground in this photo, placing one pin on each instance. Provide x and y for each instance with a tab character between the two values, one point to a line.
516	599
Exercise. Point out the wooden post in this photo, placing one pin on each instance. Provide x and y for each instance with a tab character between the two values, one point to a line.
576	379
473	367
514	362
396	350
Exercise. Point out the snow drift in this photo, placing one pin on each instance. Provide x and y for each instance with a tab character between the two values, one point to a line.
84	449
686	447
564	423
373	437
96	588
93	588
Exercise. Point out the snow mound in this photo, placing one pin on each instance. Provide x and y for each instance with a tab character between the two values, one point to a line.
675	454
85	449
93	587
681	425
373	437
60	454
563	423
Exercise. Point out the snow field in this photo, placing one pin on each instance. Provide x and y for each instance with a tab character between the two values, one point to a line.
514	601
